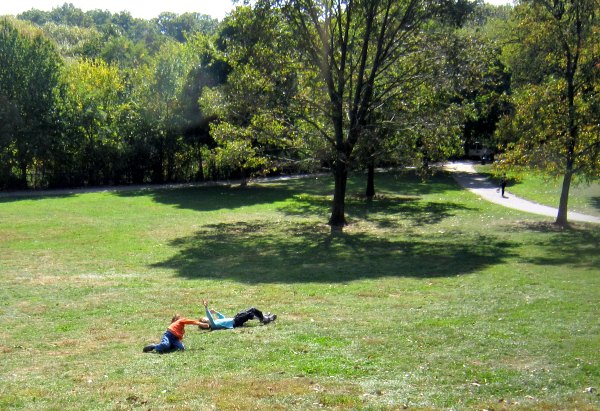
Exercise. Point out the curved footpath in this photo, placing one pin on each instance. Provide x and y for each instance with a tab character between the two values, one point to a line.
464	173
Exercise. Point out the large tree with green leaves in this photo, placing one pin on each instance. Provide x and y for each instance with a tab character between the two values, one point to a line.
422	122
352	45
29	72
157	100
92	111
556	66
452	93
252	119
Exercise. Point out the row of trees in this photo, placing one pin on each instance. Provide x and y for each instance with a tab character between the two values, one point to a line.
90	105
289	85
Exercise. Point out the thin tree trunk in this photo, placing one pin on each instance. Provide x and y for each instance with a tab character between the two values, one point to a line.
200	173
561	218
23	179
371	181
338	217
244	182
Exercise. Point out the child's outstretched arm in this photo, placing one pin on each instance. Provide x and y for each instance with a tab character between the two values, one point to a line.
218	314
209	314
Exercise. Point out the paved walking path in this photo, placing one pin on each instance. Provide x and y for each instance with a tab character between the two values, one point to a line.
464	173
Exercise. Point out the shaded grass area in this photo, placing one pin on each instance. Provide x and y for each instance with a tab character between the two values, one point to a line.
429	299
241	251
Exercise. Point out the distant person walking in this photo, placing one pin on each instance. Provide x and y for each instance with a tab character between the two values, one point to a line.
503	185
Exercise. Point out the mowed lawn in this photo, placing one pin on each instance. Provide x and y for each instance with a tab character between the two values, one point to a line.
430	299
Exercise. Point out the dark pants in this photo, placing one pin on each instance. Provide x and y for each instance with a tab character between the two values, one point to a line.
169	342
246	315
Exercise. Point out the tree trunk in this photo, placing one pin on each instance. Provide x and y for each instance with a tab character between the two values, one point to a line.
338	217
200	173
23	179
244	178
158	165
561	218
371	181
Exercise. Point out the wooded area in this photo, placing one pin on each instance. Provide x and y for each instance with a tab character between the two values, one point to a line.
95	98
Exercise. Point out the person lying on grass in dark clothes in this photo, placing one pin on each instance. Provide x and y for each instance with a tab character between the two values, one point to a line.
171	339
214	320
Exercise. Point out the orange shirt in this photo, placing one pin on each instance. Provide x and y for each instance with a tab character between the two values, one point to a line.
178	327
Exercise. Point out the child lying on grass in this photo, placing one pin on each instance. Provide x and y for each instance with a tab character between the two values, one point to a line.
222	322
171	339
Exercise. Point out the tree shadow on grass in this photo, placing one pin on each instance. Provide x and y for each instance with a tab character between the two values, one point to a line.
573	246
302	252
302	248
310	195
211	197
385	211
13	197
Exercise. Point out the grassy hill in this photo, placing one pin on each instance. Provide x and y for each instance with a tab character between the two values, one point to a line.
430	299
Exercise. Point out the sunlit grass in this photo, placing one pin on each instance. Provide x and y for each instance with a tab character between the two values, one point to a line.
431	298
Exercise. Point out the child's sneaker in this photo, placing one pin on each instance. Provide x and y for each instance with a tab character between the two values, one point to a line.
148	348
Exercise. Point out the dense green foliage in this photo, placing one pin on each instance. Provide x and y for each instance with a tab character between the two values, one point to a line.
97	98
28	77
185	97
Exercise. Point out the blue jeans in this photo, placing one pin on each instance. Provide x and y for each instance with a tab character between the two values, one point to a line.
169	342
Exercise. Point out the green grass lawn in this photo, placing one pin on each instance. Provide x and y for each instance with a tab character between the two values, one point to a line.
584	197
430	299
